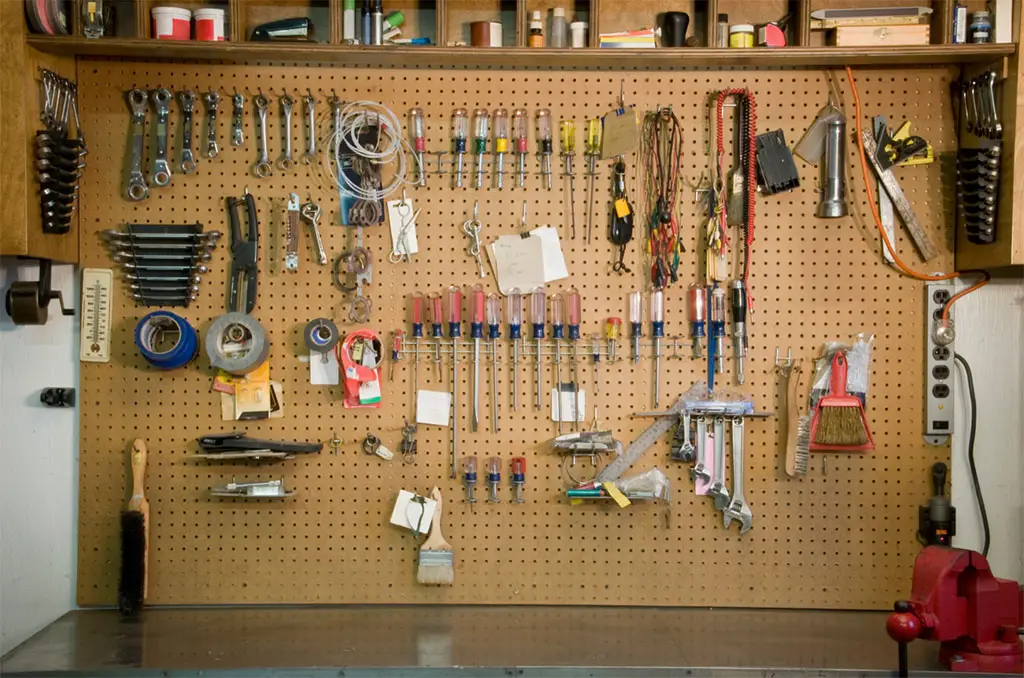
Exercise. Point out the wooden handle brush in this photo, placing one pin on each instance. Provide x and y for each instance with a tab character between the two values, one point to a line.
437	558
134	585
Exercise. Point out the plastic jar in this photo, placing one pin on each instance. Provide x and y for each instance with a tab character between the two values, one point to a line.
210	24
172	23
741	35
981	27
578	32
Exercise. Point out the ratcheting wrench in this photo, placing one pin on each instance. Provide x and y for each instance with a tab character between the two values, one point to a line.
285	162
309	102
187	102
212	101
136	188
717	490
262	168
237	110
738	509
162	103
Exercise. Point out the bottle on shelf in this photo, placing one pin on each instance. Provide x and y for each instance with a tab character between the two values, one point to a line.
536	36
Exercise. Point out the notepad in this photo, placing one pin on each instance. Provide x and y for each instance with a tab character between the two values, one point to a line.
526	263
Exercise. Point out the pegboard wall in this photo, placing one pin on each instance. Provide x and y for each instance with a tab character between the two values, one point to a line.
841	537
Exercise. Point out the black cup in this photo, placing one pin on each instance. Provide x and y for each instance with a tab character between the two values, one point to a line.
673	29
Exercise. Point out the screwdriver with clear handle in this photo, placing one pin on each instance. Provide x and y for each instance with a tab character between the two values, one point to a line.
558	333
573	307
698	318
476	330
636	301
500	144
419	142
593	151
739	326
494	333
481	125
657	316
417	340
521	134
567	136
538	316
455	333
460	130
515	324
436	322
544	147
718	326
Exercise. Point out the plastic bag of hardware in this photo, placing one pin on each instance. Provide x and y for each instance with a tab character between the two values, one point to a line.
812	144
858	360
723	401
651	484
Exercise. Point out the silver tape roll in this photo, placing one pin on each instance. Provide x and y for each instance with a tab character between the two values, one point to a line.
236	343
321	335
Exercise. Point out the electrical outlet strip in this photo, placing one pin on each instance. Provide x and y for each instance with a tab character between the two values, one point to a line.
939	365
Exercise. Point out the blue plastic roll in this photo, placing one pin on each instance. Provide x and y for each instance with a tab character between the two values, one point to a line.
181	353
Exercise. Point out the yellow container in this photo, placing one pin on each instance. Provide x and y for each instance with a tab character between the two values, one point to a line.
741	35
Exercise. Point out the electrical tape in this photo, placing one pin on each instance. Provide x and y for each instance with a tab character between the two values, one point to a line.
237	343
320	335
149	337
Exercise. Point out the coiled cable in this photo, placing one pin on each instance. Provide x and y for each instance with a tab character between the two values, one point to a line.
392	147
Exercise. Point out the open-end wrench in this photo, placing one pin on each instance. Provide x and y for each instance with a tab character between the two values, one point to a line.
968	114
162	103
187	102
700	469
717	490
237	110
309	102
212	101
262	168
311	213
980	110
737	509
989	94
285	162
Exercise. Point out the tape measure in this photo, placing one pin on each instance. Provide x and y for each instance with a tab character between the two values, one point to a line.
97	290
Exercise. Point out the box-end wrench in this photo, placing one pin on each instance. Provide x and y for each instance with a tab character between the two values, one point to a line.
700	469
262	168
187	102
717	490
989	94
162	104
309	103
738	508
212	101
311	214
237	111
285	162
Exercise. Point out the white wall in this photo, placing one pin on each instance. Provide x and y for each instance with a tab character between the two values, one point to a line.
990	336
38	464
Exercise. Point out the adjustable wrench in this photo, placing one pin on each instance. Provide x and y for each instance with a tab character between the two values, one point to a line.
717	490
187	102
262	168
212	101
737	508
162	103
136	188
700	469
309	103
311	213
285	162
237	110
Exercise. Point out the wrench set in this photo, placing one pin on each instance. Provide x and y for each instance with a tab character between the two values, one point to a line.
979	158
58	154
708	473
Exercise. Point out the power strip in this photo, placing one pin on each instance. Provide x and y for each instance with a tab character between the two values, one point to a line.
938	424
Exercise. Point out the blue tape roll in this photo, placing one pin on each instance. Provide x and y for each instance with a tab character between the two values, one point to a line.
182	352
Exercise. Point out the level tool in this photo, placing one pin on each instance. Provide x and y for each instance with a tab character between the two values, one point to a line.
97	286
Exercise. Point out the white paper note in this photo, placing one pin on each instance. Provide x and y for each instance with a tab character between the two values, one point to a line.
323	368
554	262
433	407
563	409
527	263
396	219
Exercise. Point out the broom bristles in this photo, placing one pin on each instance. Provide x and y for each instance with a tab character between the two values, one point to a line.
436	567
133	562
840	425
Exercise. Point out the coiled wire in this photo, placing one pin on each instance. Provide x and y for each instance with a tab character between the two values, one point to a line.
357	117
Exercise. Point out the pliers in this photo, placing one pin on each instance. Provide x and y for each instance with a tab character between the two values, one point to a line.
244	253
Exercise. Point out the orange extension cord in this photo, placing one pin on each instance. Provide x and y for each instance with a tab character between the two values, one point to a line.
878	220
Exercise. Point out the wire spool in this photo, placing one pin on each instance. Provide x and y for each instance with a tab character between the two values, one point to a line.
167	341
236	343
320	335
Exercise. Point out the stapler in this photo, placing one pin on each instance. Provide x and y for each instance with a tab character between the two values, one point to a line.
298	28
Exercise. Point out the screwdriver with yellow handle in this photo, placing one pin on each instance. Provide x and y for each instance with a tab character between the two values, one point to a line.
593	151
568	138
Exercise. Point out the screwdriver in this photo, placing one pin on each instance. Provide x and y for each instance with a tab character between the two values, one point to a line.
454	332
493	479
718	325
698	316
460	130
538	309
567	137
500	143
739	326
481	120
521	132
396	352
419	141
593	152
595	350
574	310
417	336
544	148
435	329
469	478
657	332
635	320
611	334
518	468
476	330
557	328
493	333
515	323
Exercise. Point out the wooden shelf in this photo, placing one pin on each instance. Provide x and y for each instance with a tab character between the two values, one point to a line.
518	57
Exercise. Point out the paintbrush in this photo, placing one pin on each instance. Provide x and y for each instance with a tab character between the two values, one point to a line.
437	559
135	537
840	424
798	429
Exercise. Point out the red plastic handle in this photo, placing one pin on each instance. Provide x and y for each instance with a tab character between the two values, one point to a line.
839	368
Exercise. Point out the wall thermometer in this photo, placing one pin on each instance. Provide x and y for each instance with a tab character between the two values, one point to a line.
97	284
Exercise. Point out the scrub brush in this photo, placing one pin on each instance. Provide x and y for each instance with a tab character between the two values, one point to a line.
134	583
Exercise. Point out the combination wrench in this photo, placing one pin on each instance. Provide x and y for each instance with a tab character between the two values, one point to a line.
237	110
285	162
187	102
212	101
700	469
737	509
309	103
137	189
262	168
162	103
717	489
989	83
311	214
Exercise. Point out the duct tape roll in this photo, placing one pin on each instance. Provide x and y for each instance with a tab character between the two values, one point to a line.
166	340
236	343
321	335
